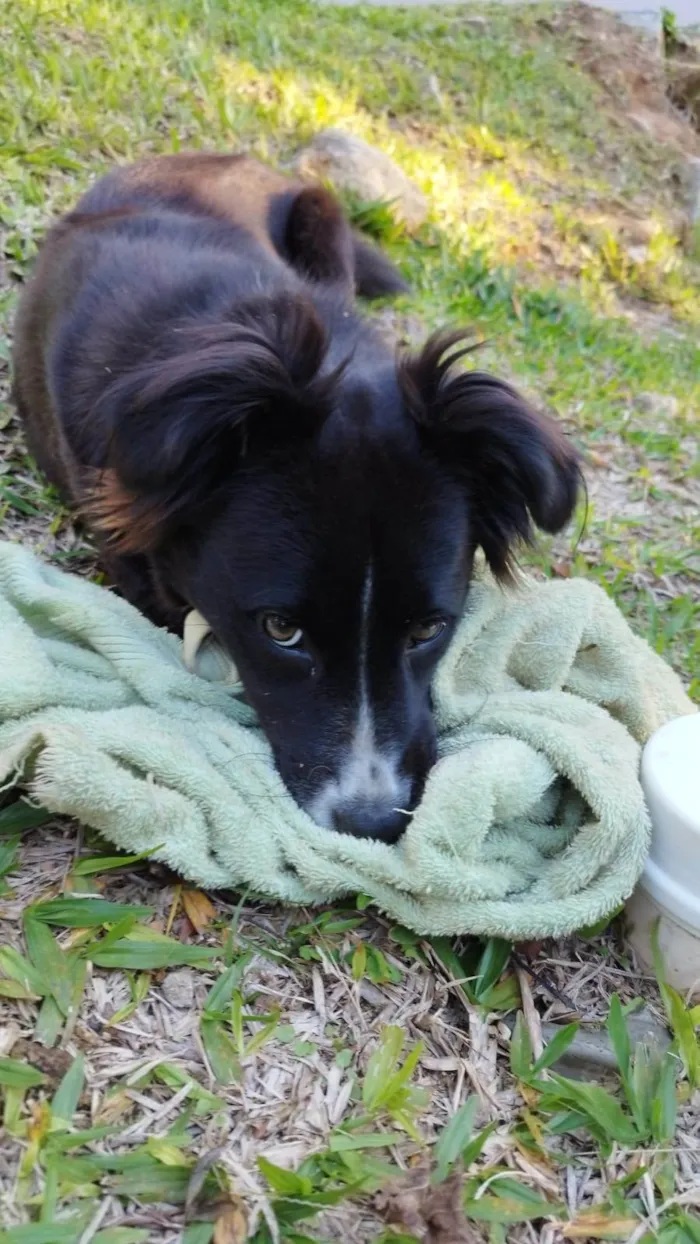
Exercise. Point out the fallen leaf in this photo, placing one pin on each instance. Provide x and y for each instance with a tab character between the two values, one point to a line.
9	1036
166	1152
538	1160
38	1129
231	1225
534	1127
599	1226
183	929
114	1107
200	910
597	459
53	1063
530	949
433	1213
400	1206
529	1095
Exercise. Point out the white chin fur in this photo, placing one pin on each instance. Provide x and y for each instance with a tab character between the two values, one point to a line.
366	776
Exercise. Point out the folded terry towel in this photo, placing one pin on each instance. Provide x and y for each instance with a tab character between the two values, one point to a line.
533	821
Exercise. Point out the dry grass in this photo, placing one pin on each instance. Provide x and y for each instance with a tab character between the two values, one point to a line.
294	1092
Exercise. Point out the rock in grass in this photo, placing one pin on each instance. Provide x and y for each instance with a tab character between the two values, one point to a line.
351	164
591	1055
658	405
178	988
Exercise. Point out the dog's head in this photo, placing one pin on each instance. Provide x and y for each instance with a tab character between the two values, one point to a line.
324	520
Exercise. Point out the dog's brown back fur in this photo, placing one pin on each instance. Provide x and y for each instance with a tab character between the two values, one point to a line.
235	188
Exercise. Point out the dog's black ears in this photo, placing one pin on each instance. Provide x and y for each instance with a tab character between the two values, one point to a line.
518	467
318	239
180	424
322	246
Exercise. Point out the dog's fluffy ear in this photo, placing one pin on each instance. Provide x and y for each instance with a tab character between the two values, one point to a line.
181	423
320	244
318	239
518	467
375	275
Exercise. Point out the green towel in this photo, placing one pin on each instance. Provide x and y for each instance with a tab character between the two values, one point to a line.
533	821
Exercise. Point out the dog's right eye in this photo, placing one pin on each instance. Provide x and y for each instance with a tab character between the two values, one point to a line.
425	632
282	631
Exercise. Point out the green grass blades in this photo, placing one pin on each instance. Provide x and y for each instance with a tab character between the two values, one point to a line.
87	866
67	1232
302	1194
16	1074
386	1087
457	1143
20	817
509	1202
646	1115
9	861
480	971
64	972
141	953
67	1096
18	973
85	913
683	1023
218	1018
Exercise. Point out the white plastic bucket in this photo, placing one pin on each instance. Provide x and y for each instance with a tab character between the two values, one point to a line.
669	888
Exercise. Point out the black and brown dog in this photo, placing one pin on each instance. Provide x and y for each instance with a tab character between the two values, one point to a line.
193	376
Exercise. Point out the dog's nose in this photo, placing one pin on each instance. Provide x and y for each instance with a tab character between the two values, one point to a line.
367	820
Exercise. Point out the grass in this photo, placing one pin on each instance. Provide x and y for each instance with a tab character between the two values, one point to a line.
79	1150
330	1043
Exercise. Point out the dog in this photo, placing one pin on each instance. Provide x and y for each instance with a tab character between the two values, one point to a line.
194	376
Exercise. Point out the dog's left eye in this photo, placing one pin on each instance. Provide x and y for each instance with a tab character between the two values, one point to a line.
282	631
425	632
